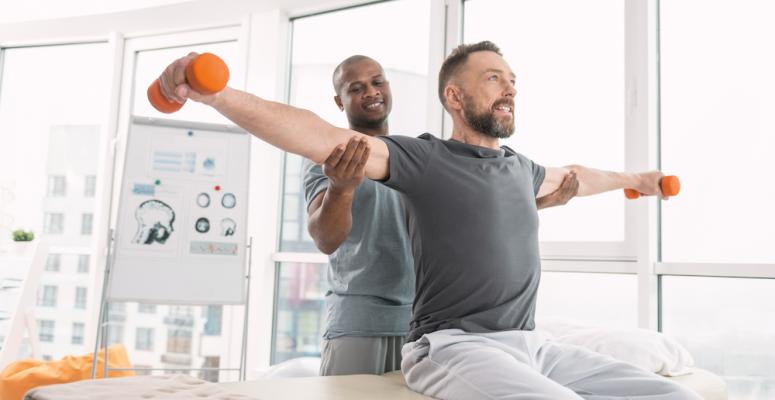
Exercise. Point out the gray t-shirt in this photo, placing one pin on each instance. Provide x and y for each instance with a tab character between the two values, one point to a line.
474	228
371	274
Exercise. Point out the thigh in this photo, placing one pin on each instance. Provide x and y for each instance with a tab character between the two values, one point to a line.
349	355
474	369
596	376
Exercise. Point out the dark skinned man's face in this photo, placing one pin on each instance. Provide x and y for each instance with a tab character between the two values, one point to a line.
364	94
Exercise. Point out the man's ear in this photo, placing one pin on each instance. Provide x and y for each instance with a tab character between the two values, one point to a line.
338	102
454	97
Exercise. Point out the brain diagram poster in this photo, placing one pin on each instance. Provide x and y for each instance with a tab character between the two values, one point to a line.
182	215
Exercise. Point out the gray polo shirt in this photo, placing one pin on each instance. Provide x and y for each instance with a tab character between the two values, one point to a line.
371	274
473	223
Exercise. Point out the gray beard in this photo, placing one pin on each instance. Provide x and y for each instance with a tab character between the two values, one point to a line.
486	123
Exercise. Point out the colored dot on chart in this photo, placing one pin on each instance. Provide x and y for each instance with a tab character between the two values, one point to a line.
158	182
217	187
190	133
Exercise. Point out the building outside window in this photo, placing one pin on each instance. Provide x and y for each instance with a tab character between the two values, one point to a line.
86	223
47	296
53	262
89	185
83	263
54	223
78	328
144	339
80	298
46	330
214	315
57	186
146	308
179	341
115	333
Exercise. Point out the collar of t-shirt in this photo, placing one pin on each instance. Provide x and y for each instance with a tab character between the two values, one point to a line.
461	148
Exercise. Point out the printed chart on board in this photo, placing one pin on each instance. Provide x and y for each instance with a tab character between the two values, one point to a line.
182	215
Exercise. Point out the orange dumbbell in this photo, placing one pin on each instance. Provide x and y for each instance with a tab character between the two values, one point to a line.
206	74
669	184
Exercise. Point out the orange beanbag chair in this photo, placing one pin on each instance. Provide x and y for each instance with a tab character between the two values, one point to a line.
20	376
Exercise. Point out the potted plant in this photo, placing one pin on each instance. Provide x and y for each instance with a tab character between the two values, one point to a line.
22	242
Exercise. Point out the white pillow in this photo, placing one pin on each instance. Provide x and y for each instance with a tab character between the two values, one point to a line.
650	350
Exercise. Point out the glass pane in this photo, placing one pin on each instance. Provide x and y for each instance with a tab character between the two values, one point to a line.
300	311
570	96
716	95
51	121
728	325
177	337
151	63
591	296
320	43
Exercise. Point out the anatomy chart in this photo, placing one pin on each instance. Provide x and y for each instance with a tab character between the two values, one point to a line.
180	232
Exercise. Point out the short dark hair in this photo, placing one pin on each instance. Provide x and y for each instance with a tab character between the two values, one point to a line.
457	59
346	63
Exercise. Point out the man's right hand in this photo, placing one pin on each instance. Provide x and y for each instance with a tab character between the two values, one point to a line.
174	86
345	166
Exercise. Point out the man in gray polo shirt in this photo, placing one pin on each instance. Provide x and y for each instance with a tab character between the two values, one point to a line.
472	219
361	225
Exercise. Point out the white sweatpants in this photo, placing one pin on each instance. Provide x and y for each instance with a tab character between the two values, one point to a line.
452	364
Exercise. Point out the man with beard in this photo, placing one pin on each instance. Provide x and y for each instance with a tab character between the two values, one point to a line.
472	218
361	225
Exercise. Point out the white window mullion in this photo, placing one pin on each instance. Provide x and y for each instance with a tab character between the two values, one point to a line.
641	149
453	36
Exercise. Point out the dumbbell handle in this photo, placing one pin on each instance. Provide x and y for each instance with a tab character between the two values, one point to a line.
206	74
670	186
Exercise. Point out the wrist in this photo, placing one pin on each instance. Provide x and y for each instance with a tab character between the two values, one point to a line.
340	191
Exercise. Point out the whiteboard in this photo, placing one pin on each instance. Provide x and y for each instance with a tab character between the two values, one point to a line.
182	215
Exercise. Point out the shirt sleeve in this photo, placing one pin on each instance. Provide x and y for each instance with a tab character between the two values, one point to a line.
408	158
537	171
315	181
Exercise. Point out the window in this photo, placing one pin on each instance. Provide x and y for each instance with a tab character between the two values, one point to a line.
179	341
210	375
115	333
570	98
53	262
716	90
214	318
150	63
86	223
146	308
598	299
727	325
83	263
48	144
47	296
54	223
80	298
89	186
301	311
78	328
144	339
46	330
406	68
56	186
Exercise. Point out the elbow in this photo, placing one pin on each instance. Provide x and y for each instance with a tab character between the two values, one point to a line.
325	248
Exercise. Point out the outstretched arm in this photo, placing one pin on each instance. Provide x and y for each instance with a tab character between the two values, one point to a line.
289	128
594	181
